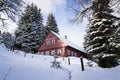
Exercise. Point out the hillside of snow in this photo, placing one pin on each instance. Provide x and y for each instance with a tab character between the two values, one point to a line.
14	66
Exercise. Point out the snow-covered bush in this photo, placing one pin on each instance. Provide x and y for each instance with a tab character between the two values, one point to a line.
1	39
8	40
55	63
89	63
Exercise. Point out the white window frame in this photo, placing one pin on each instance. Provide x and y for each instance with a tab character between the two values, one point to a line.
53	52
68	52
53	41
75	54
72	53
59	51
47	52
42	53
47	42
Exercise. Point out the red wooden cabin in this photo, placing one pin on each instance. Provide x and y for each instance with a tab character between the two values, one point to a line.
54	44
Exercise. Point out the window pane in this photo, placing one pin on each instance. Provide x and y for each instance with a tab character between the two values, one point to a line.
53	41
68	52
52	52
42	53
47	42
72	53
75	54
47	52
59	51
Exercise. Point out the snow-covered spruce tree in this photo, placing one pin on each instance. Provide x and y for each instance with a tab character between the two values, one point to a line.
8	40
116	39
51	24
30	32
100	41
100	38
1	39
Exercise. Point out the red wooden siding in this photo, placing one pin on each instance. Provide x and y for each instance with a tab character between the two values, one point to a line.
53	45
72	52
51	42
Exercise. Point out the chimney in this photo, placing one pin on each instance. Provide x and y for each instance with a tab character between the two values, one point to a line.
65	36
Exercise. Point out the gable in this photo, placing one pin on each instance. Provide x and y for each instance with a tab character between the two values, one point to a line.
51	42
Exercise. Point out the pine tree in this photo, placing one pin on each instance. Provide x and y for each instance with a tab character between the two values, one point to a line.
8	40
1	39
116	39
100	40
51	24
30	32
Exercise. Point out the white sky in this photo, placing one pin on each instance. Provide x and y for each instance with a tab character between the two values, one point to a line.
75	33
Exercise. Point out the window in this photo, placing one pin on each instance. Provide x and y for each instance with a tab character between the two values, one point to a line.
53	41
68	52
42	53
47	42
72	53
47	52
52	52
75	54
59	51
38	52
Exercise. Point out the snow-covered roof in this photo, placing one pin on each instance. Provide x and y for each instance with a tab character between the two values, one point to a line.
69	43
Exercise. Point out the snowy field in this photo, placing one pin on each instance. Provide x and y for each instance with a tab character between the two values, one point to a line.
14	66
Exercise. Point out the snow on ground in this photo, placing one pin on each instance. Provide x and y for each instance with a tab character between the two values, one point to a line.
14	66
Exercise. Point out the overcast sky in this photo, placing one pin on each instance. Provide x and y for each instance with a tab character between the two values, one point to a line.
63	16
